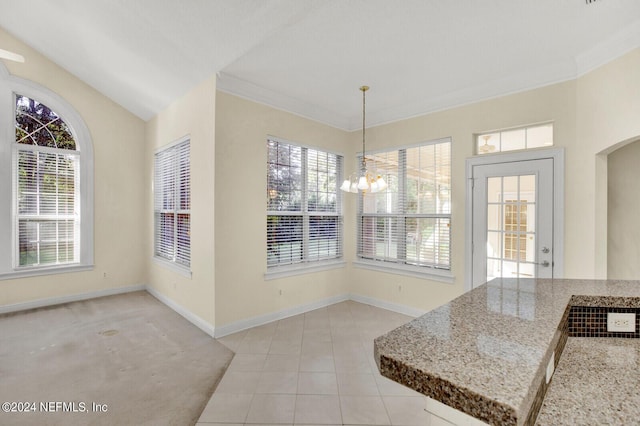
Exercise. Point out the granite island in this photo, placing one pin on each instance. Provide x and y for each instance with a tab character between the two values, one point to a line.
487	352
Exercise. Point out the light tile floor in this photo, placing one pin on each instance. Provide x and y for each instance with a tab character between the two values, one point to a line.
312	369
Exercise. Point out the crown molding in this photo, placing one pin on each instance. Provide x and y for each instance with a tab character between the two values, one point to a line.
528	80
250	91
610	49
604	52
516	83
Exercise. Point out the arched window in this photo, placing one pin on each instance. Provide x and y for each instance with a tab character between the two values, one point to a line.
47	197
46	183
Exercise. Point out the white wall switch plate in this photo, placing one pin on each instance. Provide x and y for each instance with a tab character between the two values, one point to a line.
621	322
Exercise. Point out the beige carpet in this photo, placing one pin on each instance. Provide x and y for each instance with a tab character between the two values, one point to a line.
128	354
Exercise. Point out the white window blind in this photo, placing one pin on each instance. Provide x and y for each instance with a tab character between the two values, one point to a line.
304	212
172	204
46	161
409	223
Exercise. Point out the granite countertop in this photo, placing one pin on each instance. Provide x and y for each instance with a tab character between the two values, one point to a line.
596	382
485	353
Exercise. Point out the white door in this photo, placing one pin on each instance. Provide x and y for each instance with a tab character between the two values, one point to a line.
512	220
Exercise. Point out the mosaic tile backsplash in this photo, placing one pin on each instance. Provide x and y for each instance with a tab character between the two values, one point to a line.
588	321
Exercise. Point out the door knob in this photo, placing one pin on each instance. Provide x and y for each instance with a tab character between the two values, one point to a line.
545	249
544	263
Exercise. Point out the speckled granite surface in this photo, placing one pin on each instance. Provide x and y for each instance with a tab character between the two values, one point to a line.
485	352
596	383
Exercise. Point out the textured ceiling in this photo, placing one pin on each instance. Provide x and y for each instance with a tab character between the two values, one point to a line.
311	56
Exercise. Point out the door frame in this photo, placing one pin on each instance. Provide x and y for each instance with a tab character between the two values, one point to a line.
555	154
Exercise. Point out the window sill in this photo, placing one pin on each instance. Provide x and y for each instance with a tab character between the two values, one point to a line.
406	270
182	270
307	268
45	270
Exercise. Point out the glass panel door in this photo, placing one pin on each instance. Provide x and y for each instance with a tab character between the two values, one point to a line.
511	231
512	220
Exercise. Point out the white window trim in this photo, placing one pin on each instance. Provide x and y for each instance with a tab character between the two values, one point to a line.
183	270
175	267
277	272
9	85
510	129
433	274
307	267
423	272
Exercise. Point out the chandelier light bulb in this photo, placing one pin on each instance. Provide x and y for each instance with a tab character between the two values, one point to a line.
362	183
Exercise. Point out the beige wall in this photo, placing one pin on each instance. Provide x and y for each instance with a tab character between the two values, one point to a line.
118	143
552	103
194	115
608	107
623	239
242	128
592	116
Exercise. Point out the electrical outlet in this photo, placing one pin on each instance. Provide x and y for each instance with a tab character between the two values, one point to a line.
551	366
621	322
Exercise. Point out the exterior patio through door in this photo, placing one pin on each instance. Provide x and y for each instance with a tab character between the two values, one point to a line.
512	220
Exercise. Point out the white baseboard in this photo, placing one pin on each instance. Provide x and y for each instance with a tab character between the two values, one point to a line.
390	306
181	310
275	316
206	326
51	301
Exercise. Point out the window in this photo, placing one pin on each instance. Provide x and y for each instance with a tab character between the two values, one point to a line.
47	197
408	226
515	225
46	183
172	204
304	212
515	139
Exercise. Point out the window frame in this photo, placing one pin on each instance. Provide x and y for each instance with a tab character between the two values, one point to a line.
41	216
404	268
172	264
9	263
524	128
307	265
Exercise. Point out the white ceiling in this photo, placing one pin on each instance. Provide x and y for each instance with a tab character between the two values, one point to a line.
311	56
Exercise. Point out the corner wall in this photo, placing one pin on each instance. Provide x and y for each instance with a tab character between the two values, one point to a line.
195	115
242	292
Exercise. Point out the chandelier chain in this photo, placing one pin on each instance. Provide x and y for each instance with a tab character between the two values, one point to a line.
364	160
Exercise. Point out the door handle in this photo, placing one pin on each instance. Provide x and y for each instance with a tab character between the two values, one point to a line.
544	263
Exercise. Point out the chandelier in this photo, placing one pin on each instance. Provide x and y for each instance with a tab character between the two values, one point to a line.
366	181
486	148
